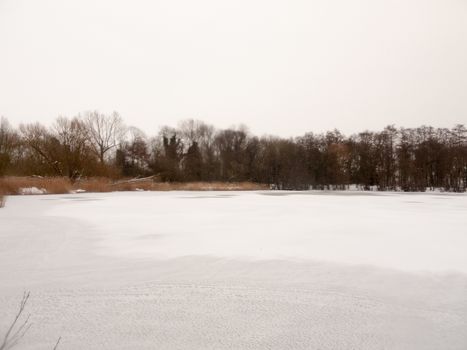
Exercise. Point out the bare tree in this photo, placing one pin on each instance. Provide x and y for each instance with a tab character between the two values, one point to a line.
105	132
132	157
43	145
75	151
8	141
396	158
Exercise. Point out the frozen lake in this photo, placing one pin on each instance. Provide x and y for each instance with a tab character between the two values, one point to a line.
237	270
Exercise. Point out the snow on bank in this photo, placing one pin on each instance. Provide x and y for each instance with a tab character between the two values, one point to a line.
223	270
32	190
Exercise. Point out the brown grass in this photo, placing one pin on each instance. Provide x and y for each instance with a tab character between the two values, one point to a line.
105	185
98	184
59	185
11	185
208	186
2	198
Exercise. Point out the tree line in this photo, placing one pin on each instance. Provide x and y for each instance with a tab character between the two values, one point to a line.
96	144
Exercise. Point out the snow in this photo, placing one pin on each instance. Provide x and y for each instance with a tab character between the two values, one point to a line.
237	270
32	190
79	190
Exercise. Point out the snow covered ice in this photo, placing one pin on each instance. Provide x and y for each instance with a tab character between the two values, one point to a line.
237	270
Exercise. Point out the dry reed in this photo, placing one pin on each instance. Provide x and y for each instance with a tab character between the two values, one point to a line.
59	185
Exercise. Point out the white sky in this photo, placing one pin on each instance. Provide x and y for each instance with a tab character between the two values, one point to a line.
280	67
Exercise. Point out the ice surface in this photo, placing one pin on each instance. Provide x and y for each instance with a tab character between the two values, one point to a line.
237	270
408	232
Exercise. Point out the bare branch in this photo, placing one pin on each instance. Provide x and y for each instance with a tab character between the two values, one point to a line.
56	344
15	334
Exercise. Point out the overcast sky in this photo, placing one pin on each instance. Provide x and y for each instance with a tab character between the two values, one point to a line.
280	67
